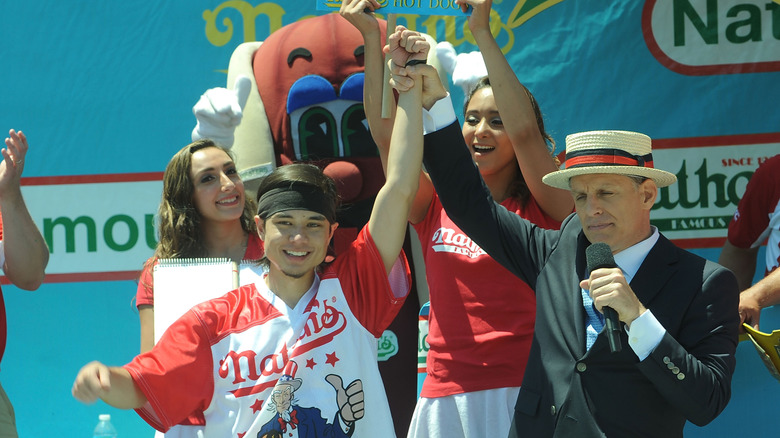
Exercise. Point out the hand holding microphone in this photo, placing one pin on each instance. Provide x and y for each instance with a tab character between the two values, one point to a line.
599	255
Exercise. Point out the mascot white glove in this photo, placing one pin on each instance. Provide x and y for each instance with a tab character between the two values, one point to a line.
465	69
219	112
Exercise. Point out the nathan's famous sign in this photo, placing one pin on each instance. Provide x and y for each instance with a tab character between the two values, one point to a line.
713	36
712	173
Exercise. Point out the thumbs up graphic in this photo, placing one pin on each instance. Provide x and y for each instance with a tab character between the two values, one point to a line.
349	399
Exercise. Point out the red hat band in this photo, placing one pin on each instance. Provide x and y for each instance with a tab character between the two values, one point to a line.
606	157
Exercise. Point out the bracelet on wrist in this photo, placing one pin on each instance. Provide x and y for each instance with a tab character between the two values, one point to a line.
415	62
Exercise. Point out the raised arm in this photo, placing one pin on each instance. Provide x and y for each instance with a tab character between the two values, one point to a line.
358	12
468	202
387	224
458	183
514	105
26	253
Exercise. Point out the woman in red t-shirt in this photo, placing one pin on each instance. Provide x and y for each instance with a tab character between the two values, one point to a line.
481	315
203	213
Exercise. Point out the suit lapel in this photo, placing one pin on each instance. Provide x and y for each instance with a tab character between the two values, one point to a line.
655	271
581	265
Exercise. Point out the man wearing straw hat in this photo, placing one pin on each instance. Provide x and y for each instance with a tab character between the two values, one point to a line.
677	311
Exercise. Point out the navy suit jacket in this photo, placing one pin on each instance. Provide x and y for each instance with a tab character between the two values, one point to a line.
568	391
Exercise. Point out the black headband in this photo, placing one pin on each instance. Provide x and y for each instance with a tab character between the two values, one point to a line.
296	196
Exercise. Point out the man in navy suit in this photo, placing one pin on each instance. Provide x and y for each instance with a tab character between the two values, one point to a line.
677	311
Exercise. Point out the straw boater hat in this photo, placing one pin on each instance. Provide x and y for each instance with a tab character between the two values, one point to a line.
617	152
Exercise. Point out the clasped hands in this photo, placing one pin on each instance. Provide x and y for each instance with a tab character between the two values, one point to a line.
408	50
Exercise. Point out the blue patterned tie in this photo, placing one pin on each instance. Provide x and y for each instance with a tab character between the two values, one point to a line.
595	321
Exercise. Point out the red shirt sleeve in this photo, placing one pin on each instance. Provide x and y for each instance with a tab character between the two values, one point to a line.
165	374
759	201
144	295
254	248
373	296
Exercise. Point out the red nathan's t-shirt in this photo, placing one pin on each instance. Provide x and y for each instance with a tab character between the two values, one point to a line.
482	316
757	218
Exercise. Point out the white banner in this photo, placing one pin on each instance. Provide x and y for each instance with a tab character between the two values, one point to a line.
98	227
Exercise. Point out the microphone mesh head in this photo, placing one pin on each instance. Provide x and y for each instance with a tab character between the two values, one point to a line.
599	255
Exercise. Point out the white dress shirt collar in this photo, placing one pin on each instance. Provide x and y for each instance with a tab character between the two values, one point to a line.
630	259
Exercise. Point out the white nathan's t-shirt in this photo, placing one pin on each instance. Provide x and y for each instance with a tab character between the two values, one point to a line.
221	360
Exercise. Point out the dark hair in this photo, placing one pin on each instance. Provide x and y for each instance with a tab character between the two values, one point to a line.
518	188
180	222
284	176
305	173
637	180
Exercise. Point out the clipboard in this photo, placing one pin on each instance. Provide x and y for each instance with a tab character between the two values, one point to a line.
180	284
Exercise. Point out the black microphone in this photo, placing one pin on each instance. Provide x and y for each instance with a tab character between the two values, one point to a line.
599	255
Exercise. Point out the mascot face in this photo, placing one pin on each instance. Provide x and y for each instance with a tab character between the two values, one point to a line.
310	78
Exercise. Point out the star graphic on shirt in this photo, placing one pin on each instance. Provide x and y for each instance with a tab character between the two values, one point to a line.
256	406
241	435
332	359
310	363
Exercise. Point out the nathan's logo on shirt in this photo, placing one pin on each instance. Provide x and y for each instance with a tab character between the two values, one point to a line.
448	240
324	323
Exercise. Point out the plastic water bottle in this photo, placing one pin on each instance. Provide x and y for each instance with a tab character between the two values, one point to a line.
104	428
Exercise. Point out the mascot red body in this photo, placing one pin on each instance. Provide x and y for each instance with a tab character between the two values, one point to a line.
308	77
